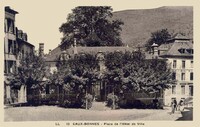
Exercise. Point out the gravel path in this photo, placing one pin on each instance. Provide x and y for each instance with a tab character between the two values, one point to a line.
54	113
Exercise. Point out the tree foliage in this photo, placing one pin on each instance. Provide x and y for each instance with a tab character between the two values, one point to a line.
132	72
77	73
76	76
91	26
31	72
159	37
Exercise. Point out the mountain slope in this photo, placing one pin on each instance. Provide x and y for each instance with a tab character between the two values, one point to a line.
139	24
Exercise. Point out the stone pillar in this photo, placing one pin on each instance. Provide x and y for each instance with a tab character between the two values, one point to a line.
21	94
8	96
6	25
25	94
186	90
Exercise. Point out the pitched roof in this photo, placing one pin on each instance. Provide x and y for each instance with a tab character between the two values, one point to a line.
174	48
8	9
55	53
93	50
179	36
101	49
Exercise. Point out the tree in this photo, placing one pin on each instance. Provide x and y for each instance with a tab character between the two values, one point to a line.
159	37
131	72
31	72
76	76
91	26
150	76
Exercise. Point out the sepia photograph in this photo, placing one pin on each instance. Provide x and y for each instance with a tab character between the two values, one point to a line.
97	63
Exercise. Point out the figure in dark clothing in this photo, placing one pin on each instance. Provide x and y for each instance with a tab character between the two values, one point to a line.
173	105
181	105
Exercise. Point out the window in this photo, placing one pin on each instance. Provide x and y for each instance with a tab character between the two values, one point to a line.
11	66
10	26
181	50
14	48
191	76
183	89
173	89
10	47
183	64
191	63
183	76
174	75
191	51
5	66
191	90
174	63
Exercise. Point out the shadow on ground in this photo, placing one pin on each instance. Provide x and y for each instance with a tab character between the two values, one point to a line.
187	115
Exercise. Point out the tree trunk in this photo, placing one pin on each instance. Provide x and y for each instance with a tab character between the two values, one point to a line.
113	100
86	100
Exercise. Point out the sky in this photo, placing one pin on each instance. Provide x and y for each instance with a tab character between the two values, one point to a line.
41	19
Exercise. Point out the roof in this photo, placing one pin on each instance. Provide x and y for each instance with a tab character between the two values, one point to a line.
8	9
100	49
92	50
25	42
149	56
55	53
165	46
179	36
174	48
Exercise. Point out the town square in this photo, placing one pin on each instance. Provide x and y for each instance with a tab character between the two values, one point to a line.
109	65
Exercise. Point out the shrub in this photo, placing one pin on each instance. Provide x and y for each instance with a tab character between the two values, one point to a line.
110	99
70	101
89	99
34	100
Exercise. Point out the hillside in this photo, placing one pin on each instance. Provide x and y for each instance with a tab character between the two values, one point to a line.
139	24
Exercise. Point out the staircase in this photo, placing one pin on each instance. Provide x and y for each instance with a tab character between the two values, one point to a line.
99	106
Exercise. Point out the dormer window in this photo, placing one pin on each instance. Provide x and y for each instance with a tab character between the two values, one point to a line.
181	50
191	51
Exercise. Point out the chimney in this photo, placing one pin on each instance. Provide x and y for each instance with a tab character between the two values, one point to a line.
41	49
24	37
49	51
20	34
155	49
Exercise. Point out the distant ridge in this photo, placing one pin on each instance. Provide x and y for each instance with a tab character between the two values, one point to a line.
140	23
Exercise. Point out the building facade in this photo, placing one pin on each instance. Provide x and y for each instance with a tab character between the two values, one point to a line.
179	54
57	54
16	46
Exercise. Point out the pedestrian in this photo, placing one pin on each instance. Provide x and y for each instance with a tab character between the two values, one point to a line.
172	106
181	105
175	104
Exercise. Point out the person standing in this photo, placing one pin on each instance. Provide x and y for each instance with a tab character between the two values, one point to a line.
175	104
181	105
172	106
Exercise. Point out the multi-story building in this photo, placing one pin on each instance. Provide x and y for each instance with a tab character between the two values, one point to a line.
16	46
179	54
